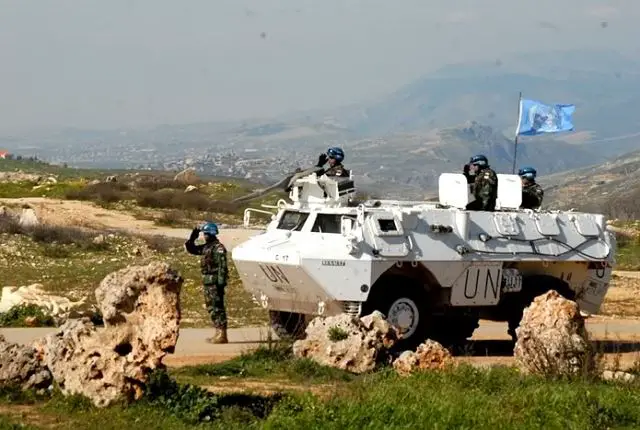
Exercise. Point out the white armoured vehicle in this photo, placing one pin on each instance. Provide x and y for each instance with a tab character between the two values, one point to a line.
432	268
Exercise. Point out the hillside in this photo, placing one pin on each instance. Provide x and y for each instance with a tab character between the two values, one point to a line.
601	83
596	81
160	196
409	164
612	188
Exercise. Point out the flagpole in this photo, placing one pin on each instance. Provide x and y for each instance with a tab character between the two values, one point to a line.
515	140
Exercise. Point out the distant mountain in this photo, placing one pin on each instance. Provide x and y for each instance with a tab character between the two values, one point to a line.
400	143
612	188
409	164
602	84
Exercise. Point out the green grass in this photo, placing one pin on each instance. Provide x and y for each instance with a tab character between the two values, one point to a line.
66	261
41	167
628	254
463	398
13	190
17	316
274	362
141	191
210	201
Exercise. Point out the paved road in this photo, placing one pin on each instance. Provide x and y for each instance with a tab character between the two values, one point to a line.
490	340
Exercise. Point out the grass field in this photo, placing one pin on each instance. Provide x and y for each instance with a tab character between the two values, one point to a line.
268	388
66	261
463	397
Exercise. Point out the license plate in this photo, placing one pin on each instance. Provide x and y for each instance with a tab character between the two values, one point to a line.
511	281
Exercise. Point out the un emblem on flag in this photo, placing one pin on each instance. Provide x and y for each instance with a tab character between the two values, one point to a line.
543	117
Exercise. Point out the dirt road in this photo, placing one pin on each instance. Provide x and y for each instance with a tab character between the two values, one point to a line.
87	214
618	339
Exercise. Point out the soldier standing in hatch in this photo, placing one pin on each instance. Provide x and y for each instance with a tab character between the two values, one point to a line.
214	276
484	184
532	192
334	156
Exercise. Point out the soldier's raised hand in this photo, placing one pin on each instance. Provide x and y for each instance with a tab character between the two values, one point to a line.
322	159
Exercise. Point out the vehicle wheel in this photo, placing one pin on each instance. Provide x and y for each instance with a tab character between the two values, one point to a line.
288	325
532	287
404	304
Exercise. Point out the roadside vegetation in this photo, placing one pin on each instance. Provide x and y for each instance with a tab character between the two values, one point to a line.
460	397
628	253
149	195
71	261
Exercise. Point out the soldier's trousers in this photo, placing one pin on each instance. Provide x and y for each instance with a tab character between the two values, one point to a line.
214	300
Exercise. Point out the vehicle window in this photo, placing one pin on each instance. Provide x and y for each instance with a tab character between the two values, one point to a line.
292	220
327	223
387	225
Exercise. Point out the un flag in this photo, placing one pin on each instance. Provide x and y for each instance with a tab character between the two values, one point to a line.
537	118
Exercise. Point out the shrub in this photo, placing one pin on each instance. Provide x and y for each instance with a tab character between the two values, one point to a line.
160	243
155	183
17	315
172	217
194	404
172	199
337	334
105	192
52	234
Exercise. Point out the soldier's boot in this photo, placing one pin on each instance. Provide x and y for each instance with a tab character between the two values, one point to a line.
220	337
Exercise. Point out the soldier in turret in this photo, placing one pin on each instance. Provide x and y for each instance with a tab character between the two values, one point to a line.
532	192
214	275
484	183
334	157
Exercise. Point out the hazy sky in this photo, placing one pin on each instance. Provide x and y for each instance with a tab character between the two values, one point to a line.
121	63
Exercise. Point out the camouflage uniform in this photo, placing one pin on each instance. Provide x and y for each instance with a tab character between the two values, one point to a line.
337	170
532	195
485	190
214	270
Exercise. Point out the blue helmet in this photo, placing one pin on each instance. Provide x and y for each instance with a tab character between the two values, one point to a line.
479	160
528	173
209	228
336	153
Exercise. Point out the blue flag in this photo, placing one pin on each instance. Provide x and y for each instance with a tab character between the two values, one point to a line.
537	118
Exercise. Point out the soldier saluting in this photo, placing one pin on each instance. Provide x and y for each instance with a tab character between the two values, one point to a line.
334	157
484	182
215	272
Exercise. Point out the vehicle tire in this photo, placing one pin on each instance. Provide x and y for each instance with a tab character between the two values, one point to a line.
532	287
288	325
405	304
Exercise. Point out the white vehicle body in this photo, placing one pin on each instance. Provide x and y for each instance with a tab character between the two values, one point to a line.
322	255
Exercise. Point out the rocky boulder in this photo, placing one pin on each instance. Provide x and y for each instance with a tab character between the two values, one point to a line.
429	355
60	308
552	338
28	218
19	176
357	345
187	177
21	365
141	311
